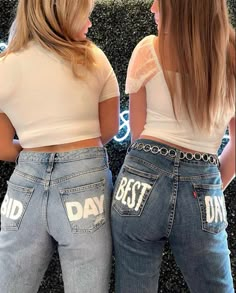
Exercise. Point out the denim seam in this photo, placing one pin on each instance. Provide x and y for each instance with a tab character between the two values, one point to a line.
173	196
198	177
65	178
47	184
140	173
44	209
59	180
17	187
207	186
139	160
58	160
82	188
29	177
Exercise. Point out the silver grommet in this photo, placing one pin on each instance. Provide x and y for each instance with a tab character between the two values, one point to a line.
211	159
182	155
164	151
197	156
172	153
147	148
189	156
205	157
155	149
140	146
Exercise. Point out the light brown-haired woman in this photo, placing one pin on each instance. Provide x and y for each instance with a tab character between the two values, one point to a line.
170	188
60	95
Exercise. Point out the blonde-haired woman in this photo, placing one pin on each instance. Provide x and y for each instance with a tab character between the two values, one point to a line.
182	98
60	95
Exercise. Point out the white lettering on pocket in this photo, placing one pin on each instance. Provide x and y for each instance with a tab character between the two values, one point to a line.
131	192
215	209
11	208
93	206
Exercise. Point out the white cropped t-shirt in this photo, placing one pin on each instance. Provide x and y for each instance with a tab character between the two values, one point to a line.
46	103
144	70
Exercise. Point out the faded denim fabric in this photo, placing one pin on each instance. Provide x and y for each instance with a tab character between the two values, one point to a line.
57	199
159	198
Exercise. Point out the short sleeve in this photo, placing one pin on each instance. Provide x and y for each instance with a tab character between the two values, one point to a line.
143	65
107	77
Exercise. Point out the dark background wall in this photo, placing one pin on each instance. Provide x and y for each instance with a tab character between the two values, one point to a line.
118	25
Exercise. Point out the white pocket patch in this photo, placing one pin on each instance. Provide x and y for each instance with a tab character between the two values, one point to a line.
215	209
11	208
93	206
131	192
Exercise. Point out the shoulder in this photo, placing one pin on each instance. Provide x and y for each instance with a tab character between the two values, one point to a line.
146	41
8	62
98	53
10	69
101	60
144	49
145	44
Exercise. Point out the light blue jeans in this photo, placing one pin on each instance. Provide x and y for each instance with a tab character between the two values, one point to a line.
158	198
58	199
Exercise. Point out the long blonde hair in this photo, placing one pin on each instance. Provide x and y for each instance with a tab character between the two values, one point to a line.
204	43
53	24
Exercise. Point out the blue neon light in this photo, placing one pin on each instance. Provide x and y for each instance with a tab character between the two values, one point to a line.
124	129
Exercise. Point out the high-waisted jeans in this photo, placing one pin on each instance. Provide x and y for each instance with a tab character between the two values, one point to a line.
58	199
161	197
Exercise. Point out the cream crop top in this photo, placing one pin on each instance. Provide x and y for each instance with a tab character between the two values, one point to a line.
145	70
45	102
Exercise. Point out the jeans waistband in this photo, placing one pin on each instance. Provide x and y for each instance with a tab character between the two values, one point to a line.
164	150
78	154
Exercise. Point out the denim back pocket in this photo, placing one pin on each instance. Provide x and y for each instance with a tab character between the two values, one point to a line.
212	207
132	190
14	206
85	206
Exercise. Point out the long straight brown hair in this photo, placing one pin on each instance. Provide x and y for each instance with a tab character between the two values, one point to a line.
204	50
53	24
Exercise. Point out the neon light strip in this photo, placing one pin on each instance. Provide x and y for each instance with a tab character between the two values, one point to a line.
124	117
3	45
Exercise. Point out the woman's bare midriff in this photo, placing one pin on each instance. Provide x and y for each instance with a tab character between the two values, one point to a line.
93	142
170	144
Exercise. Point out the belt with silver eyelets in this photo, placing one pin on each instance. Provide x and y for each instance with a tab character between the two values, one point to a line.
164	151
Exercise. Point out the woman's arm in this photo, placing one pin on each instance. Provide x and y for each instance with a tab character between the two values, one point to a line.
138	113
109	111
9	147
227	158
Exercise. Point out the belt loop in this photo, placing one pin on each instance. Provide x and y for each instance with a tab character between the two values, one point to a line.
106	157
17	158
129	148
177	158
